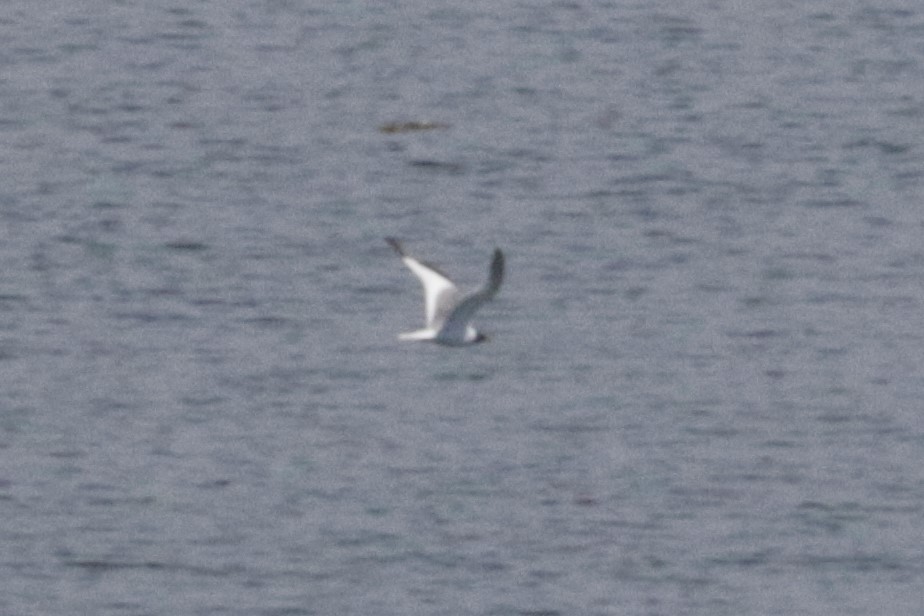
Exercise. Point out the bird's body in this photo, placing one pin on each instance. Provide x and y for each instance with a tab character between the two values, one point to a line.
448	311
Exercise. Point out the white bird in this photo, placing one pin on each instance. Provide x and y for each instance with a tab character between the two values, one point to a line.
448	312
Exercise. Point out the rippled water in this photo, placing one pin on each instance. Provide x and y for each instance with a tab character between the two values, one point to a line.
703	390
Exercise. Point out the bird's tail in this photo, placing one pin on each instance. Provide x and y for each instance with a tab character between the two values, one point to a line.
420	334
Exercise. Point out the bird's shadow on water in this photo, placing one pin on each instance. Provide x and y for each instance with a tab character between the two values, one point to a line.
426	367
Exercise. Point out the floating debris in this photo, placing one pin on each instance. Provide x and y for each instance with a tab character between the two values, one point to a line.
406	127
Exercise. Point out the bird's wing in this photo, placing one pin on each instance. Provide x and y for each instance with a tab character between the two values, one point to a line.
440	294
460	317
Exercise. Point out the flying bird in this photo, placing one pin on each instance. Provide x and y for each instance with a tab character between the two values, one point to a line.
449	313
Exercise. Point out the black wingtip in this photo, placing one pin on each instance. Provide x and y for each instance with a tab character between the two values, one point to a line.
396	245
498	259
497	269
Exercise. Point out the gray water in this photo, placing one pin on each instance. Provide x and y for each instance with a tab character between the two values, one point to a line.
703	392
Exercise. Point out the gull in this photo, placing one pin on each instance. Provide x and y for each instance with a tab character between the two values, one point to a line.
448	311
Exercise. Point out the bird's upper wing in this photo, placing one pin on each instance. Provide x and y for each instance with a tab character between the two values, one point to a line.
458	320
440	294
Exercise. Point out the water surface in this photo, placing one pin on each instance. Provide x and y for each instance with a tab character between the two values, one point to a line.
702	393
